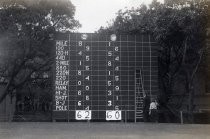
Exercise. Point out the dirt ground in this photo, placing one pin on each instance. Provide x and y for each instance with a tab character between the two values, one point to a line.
74	130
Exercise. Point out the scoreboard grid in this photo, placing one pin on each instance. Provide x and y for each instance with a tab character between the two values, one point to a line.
100	77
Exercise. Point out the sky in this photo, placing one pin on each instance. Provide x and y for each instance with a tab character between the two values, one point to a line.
93	14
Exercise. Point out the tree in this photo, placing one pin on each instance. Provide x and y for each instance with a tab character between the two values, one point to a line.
180	31
27	28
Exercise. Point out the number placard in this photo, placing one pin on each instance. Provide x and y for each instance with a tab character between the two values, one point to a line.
83	115
113	115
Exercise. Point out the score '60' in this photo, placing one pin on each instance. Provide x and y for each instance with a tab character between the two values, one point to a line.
113	115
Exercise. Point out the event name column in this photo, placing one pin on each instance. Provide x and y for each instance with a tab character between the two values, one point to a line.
62	73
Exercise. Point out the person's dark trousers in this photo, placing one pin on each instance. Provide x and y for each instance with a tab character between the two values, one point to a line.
154	116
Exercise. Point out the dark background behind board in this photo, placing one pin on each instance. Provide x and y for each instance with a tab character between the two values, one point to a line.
134	52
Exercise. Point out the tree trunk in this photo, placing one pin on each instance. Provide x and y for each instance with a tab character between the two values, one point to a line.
5	92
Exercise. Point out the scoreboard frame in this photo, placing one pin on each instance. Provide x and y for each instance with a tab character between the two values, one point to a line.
103	77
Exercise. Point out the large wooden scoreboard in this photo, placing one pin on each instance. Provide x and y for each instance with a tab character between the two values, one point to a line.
103	77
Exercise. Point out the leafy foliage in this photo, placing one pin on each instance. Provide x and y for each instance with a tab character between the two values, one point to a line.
27	28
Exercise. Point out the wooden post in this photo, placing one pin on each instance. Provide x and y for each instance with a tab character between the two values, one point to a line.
181	115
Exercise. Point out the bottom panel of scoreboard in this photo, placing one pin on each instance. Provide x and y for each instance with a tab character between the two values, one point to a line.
90	115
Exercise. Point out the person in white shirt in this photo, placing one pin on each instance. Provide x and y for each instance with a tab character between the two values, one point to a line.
153	111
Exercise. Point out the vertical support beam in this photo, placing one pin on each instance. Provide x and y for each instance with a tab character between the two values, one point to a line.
69	45
135	95
150	68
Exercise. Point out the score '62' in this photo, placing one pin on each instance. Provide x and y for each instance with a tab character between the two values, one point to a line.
83	115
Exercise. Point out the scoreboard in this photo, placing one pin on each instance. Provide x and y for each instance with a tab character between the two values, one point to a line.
103	77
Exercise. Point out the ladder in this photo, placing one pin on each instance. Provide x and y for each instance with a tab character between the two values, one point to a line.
139	95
